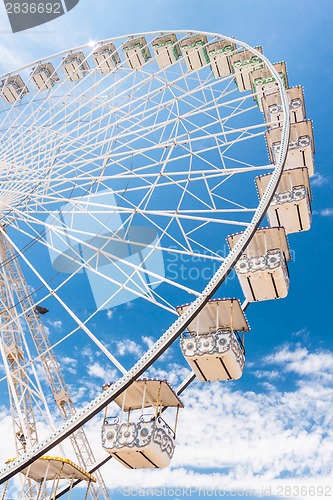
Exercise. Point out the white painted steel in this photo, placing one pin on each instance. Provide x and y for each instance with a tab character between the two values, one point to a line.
181	323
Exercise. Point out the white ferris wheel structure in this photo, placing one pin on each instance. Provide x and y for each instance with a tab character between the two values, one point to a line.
118	158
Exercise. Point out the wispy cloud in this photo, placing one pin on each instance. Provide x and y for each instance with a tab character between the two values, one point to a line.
267	374
304	363
55	324
149	341
174	374
99	371
303	334
318	180
69	364
326	212
128	346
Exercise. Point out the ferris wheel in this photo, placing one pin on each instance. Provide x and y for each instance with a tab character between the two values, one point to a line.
135	177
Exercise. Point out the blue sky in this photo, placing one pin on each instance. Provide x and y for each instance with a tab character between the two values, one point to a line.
275	424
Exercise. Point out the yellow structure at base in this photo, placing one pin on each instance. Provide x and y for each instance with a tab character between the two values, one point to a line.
49	468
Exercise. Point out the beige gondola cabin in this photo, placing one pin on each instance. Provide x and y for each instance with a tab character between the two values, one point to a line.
242	63
136	52
212	346
166	50
44	76
13	88
219	53
106	58
301	146
272	107
194	50
137	439
264	83
76	66
291	203
262	269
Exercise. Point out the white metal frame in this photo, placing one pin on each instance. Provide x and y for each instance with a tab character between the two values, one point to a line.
23	192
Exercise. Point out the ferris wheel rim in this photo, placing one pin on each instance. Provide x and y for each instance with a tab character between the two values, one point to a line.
94	44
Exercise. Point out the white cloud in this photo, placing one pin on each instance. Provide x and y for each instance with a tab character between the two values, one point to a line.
106	374
318	180
31	289
46	330
303	333
304	363
326	212
128	347
149	341
6	431
55	324
69	361
87	352
109	314
174	373
267	374
69	364
168	355
267	386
